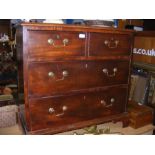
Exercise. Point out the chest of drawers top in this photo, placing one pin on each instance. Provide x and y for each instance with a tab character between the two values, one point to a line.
65	27
59	41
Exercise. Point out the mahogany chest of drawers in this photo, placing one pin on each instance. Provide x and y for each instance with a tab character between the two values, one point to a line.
72	76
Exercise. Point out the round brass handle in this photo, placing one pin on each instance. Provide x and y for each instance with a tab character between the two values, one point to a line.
64	108
111	43
112	100
51	42
107	73
51	110
64	74
51	74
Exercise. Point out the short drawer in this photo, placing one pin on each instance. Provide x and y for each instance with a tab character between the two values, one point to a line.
109	44
65	111
48	44
46	79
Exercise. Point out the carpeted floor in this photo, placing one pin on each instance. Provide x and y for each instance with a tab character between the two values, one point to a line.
110	128
12	130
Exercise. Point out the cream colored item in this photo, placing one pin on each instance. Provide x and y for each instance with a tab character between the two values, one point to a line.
58	21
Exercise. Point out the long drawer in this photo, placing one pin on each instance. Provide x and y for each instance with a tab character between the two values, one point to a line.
46	79
109	44
55	112
45	44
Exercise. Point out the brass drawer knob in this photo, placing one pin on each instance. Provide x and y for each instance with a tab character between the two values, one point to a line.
112	100
50	41
103	102
51	74
64	108
114	70
51	110
65	73
65	41
105	71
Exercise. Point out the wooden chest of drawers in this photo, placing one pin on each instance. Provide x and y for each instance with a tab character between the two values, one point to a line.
73	76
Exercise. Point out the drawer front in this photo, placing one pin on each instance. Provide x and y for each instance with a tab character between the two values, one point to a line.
46	79
109	44
55	112
56	43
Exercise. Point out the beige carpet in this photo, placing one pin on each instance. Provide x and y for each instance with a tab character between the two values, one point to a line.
114	129
12	130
